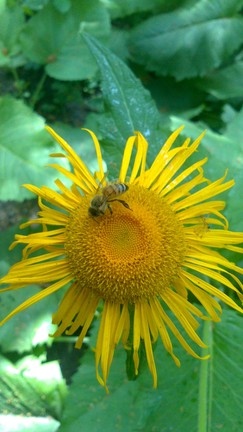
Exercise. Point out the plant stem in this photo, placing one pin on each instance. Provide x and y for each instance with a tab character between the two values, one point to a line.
38	89
203	401
17	82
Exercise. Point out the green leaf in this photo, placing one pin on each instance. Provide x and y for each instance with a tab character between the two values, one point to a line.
53	38
30	327
33	5
189	41
129	107
118	42
24	149
8	258
11	23
12	423
31	388
234	133
172	96
119	8
225	374
177	402
62	6
225	83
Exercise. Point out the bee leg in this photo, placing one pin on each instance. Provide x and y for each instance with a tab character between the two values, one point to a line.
123	203
109	207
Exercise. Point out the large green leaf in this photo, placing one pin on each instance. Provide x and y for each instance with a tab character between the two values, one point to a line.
178	402
11	23
234	133
24	149
31	389
174	96
12	423
189	41
120	8
30	327
129	107
53	39
225	83
36	5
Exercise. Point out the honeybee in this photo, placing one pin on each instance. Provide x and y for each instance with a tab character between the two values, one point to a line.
100	203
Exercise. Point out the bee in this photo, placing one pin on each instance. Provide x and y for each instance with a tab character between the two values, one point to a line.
100	203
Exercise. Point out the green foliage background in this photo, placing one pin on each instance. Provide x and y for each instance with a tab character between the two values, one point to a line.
116	66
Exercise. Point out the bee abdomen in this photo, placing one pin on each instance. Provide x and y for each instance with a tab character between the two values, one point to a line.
121	188
115	189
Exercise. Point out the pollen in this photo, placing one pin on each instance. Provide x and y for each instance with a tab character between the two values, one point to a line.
129	255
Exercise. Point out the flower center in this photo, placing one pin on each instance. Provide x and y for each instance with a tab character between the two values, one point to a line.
129	255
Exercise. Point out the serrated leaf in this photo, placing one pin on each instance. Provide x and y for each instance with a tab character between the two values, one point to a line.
24	150
189	41
176	404
129	107
225	83
53	38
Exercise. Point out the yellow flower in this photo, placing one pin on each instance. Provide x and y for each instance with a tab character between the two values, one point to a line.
140	257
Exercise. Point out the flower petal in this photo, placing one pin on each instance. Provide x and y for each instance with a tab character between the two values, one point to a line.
37	297
101	173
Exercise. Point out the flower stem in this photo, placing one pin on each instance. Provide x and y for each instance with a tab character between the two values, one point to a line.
203	402
37	91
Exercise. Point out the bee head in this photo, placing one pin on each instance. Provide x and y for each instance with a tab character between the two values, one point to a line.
94	212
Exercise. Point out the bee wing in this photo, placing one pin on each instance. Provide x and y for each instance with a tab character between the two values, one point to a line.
101	181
